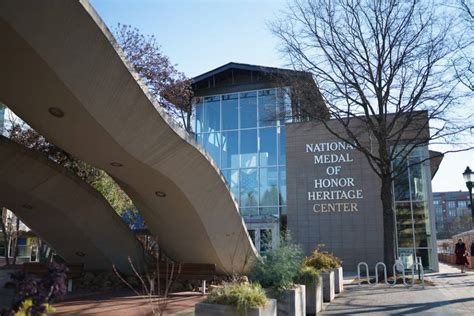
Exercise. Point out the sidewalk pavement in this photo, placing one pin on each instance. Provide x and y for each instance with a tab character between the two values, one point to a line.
113	304
452	294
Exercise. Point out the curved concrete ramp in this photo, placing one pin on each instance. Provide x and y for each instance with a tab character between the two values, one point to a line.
64	211
63	74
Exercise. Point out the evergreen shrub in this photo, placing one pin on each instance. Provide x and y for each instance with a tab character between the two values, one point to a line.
279	268
322	261
242	295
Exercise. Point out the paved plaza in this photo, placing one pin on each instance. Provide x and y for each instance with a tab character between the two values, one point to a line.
181	304
451	294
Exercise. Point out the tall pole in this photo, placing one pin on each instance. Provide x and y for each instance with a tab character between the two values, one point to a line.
468	177
469	187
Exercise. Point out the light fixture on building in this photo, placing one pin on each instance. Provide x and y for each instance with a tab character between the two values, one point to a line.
160	194
56	112
80	254
116	164
27	206
468	177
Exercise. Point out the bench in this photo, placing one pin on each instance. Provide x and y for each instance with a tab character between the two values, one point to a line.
41	269
186	272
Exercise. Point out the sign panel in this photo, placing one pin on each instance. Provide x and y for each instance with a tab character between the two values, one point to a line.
333	196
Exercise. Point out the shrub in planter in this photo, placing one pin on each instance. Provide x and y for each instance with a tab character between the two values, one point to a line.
277	272
306	275
321	260
327	264
311	278
242	298
279	269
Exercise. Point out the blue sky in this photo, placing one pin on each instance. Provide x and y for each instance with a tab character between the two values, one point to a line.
200	35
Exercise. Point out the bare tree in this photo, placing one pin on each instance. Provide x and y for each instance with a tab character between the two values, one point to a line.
16	234
383	67
10	226
154	285
4	226
464	65
166	84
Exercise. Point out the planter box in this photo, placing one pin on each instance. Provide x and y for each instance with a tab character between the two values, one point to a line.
328	286
314	297
338	280
206	309
292	302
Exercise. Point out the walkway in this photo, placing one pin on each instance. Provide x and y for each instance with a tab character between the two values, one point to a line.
452	294
127	305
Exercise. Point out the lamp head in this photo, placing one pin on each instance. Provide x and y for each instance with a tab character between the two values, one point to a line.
467	174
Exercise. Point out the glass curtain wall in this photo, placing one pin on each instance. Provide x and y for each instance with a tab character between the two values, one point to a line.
246	139
412	210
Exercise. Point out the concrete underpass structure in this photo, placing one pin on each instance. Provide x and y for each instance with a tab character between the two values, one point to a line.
65	211
63	73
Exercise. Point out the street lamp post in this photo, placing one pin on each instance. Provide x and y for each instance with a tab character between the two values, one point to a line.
468	177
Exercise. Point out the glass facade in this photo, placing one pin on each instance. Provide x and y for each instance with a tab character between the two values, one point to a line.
246	139
412	210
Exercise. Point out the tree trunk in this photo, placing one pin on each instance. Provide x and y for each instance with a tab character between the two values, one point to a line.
15	243
386	196
3	227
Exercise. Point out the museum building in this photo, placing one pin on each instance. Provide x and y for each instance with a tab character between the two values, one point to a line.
290	174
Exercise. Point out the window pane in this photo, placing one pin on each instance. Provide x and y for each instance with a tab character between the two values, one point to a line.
269	211
267	107
418	180
232	181
2	247
249	211
248	148
282	184
422	225
284	105
230	111
268	186
268	147
406	256
252	235
248	187
424	254
211	143
199	110
248	109
212	114
404	225
199	140
265	240
402	187
230	150
281	146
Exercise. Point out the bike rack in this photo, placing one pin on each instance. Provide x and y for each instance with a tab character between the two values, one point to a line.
366	269
398	263
384	272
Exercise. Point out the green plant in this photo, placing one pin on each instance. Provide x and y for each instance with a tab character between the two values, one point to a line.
307	275
279	268
322	260
242	295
